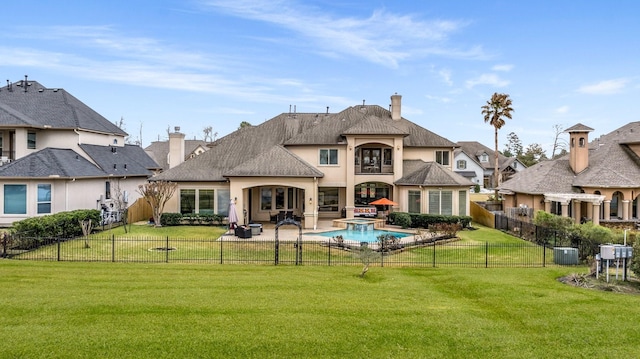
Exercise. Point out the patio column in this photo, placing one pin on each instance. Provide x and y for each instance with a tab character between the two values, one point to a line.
607	210
590	211
547	206
625	209
577	216
565	209
595	218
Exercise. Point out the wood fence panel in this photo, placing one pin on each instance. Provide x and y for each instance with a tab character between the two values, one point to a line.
481	215
139	211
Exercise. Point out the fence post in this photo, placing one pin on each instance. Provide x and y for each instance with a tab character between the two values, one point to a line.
113	247
58	239
167	250
544	255
277	247
221	251
486	254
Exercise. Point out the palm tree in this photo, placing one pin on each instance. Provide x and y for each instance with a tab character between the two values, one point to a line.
495	112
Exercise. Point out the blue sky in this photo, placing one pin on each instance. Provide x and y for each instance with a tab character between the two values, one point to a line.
197	63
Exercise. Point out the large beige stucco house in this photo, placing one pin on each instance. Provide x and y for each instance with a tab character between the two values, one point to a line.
597	180
322	165
57	154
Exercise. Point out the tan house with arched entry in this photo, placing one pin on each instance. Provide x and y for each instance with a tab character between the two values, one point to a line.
597	180
321	166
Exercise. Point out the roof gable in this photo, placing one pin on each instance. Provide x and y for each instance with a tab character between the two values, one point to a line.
431	174
276	162
29	104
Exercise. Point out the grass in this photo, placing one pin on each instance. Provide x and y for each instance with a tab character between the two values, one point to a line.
199	244
118	310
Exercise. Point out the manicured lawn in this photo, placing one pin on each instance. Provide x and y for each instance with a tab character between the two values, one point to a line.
127	310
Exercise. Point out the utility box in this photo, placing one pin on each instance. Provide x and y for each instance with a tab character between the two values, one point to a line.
608	251
615	251
565	255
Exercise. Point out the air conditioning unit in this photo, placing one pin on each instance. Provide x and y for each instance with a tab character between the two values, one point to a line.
565	255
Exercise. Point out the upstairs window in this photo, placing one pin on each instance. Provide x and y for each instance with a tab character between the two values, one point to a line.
484	158
328	156
442	157
462	164
31	140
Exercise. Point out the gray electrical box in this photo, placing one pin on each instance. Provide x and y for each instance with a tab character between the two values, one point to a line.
615	251
565	255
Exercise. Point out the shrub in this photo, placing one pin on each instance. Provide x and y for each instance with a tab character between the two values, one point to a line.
403	220
171	219
476	188
552	221
62	224
635	260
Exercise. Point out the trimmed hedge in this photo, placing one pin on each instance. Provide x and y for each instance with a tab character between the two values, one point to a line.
63	224
176	219
424	220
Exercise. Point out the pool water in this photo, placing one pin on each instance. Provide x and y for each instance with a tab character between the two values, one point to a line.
369	236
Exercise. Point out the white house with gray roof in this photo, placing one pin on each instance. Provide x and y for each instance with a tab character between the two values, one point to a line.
597	180
476	162
57	154
323	165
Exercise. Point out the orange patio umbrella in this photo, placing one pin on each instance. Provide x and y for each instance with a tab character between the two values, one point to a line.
383	202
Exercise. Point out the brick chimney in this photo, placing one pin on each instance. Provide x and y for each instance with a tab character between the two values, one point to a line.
176	148
396	100
578	147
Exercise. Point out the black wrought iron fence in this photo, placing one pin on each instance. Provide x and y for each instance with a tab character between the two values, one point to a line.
543	236
230	250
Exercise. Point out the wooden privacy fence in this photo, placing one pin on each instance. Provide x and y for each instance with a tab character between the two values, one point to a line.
140	210
482	215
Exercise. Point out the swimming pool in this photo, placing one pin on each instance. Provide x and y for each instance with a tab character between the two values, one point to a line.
369	236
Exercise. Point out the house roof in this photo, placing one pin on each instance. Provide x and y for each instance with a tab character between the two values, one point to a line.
30	104
66	163
276	162
129	160
158	150
51	162
430	174
295	129
612	163
474	150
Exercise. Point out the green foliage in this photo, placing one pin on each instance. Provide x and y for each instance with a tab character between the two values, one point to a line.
171	219
635	260
366	256
63	224
552	221
176	219
402	219
388	242
476	188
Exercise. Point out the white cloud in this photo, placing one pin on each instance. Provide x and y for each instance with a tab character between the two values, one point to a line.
562	109
487	79
445	75
439	98
607	87
384	37
504	68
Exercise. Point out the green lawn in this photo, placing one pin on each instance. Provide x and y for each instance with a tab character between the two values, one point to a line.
125	310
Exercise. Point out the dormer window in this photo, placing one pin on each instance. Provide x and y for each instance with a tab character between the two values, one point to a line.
484	158
115	141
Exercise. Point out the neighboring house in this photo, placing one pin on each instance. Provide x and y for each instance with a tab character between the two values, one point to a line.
476	162
598	181
323	165
60	155
176	150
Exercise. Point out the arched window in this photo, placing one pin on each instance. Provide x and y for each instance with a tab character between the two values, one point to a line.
581	142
